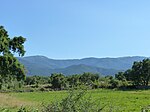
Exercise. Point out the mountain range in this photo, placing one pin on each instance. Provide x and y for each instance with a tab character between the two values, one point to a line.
41	65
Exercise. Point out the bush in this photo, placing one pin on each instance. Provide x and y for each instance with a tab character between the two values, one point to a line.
114	83
76	101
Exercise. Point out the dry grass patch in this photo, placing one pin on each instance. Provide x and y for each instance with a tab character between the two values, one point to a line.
6	100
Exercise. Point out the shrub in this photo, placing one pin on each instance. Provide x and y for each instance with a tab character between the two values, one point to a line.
114	83
76	101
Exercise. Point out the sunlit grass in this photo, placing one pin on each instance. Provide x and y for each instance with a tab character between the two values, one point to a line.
8	101
122	101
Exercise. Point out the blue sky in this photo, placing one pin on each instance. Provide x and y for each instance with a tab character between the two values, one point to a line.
63	29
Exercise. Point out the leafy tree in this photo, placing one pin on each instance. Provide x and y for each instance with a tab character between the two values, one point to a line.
145	78
35	80
109	77
74	80
120	76
58	81
140	73
9	65
128	74
136	73
114	83
8	45
88	78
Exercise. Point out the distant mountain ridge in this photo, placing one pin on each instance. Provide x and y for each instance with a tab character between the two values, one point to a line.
41	65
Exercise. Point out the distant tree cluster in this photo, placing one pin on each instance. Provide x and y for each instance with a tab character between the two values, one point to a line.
58	81
137	76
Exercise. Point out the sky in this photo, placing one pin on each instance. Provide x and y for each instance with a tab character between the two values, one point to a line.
68	29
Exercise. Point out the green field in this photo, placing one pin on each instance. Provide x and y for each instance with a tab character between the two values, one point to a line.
118	101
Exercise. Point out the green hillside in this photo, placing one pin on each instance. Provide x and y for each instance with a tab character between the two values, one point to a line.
41	65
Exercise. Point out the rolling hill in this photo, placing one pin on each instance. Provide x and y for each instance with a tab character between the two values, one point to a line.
41	65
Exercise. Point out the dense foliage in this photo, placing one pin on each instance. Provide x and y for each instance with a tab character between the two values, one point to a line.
139	74
11	70
59	81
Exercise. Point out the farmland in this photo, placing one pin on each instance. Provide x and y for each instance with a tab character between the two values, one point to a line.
117	101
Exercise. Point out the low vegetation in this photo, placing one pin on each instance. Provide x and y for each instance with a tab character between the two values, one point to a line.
106	100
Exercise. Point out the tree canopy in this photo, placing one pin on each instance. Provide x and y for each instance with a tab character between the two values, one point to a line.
9	46
139	74
10	67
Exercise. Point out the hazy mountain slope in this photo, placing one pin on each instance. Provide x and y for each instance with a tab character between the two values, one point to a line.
121	63
40	65
78	69
35	67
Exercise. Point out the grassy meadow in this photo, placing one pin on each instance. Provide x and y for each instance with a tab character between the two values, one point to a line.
113	100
